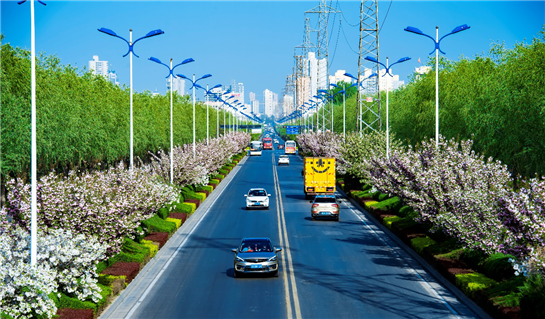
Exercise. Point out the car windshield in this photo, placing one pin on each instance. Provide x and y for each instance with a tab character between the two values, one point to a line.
258	192
255	246
284	156
324	200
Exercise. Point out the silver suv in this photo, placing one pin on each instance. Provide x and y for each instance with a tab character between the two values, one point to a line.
325	206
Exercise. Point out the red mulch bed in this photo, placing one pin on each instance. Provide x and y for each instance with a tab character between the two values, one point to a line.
205	191
213	185
182	216
123	268
510	312
160	238
194	201
68	313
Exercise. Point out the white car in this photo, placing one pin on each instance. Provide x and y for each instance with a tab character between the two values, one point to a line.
257	198
284	159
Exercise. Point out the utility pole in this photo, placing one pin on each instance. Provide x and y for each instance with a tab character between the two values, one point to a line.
368	112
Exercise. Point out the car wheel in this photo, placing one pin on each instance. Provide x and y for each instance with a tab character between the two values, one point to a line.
235	273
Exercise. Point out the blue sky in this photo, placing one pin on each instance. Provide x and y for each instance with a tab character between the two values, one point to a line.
253	41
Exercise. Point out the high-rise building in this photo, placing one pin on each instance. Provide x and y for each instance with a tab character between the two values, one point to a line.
178	85
269	102
255	107
339	76
99	67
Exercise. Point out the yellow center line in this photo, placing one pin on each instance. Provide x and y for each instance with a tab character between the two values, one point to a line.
283	233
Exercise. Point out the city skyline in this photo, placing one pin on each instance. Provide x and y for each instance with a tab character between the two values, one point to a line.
265	32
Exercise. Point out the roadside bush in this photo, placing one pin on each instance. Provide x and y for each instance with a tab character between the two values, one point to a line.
533	295
472	284
498	267
156	224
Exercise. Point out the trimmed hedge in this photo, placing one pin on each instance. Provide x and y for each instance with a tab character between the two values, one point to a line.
207	188
419	243
391	204
473	284
387	221
131	251
214	181
201	196
177	222
153	249
188	208
156	224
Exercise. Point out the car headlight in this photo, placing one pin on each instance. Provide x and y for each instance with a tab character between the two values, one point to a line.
240	260
274	258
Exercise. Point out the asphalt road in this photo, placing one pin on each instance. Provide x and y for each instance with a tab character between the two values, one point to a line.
329	269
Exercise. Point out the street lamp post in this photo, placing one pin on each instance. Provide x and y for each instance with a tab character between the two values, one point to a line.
388	68
33	146
207	92
193	82
437	49
171	75
131	45
344	88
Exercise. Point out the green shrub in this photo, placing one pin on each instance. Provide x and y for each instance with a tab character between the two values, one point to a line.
132	251
378	196
474	283
219	177
189	194
201	196
532	298
177	222
214	181
366	187
473	258
156	224
419	243
507	293
387	221
101	266
224	172
405	210
180	198
205	188
163	212
107	280
66	301
188	208
444	247
152	247
498	267
391	204
405	222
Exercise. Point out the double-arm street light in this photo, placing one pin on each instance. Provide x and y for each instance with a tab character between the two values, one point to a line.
388	68
360	84
344	88
437	49
33	157
171	75
131	44
193	82
207	92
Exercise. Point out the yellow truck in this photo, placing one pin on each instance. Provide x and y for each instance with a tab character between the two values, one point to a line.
319	176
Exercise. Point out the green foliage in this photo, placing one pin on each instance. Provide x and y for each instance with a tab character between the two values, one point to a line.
132	251
189	193
499	104
205	188
391	204
473	283
498	267
507	293
201	196
219	177
224	172
188	208
405	210
82	119
152	247
163	212
533	295
214	181
66	301
387	221
419	243
407	221
156	224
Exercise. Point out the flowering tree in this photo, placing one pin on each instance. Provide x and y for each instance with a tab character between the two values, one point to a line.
189	170
323	144
65	263
108	204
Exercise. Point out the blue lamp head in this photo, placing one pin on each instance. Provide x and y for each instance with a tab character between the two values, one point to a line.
23	1
183	76
154	33
215	86
156	60
107	31
205	76
350	76
403	59
187	61
413	30
370	58
334	85
460	28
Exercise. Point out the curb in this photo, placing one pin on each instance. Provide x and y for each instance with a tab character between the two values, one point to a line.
131	297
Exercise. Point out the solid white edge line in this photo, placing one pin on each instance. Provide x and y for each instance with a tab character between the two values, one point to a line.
146	292
358	214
